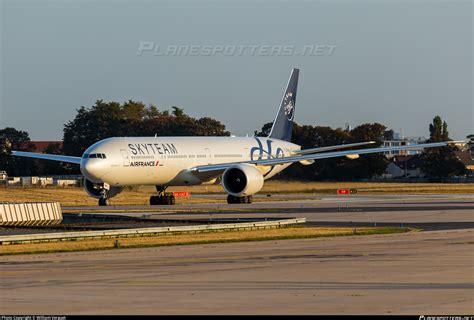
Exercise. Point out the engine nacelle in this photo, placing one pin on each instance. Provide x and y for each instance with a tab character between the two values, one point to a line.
242	180
96	190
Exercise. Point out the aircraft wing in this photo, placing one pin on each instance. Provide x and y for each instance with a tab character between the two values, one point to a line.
341	146
325	155
53	157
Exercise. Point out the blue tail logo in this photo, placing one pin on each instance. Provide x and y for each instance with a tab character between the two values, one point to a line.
289	103
283	124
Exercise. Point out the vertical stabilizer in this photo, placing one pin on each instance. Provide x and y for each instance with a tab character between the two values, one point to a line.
283	124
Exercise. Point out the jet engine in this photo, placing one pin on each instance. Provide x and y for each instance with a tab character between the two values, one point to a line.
98	190
242	180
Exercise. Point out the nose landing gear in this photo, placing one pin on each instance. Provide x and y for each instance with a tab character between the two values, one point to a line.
104	192
104	201
165	198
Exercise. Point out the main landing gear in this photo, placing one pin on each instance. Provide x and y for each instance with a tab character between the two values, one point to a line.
163	197
232	199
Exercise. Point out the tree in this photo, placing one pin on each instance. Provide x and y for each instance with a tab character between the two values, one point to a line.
102	120
210	127
134	111
439	164
334	168
132	118
388	135
267	127
369	165
369	132
438	130
54	167
178	112
12	139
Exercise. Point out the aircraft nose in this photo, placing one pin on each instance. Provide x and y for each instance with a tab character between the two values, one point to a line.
93	169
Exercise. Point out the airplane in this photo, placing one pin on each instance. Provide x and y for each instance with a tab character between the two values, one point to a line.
241	164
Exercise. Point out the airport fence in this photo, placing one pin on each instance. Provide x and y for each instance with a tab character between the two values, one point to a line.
30	214
57	181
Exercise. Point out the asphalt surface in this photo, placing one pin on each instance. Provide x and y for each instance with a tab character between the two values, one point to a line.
428	212
414	273
429	272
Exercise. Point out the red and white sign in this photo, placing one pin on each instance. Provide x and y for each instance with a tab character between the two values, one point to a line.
343	191
346	191
181	194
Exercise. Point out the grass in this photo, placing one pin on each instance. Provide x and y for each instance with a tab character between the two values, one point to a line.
140	195
189	239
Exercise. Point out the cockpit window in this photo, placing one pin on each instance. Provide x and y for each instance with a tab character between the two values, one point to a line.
94	155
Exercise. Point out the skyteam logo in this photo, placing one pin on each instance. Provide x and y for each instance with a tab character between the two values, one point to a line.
289	106
268	153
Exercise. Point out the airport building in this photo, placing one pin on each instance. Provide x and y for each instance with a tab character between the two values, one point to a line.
42	146
398	141
466	158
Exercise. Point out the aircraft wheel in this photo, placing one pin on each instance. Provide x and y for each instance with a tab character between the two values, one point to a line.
163	200
170	200
154	200
104	202
231	199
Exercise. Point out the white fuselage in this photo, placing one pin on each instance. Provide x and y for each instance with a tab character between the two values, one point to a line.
168	161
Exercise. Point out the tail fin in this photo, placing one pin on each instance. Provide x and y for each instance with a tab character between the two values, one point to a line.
283	124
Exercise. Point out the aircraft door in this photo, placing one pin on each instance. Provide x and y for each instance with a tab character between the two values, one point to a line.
208	155
125	157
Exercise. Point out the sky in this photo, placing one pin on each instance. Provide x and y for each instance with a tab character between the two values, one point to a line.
399	63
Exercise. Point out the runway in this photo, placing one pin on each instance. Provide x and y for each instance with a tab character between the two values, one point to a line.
414	273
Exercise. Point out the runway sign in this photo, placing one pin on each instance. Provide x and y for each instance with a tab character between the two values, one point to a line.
346	191
181	194
343	191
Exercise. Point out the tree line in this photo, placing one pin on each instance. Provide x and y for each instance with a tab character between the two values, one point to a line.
132	118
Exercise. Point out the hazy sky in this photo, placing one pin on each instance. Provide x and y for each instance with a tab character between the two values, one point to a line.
395	62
